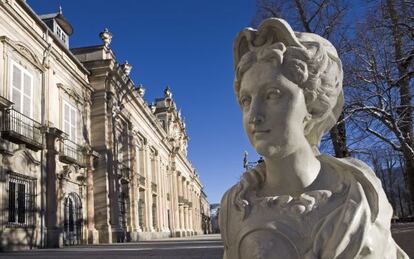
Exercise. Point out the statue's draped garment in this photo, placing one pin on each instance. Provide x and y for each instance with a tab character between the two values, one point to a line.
350	219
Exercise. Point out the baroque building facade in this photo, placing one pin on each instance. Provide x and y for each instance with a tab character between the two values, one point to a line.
83	158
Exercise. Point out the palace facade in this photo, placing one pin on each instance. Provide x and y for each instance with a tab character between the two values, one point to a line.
84	159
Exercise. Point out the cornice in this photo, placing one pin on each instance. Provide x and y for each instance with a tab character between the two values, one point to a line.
29	29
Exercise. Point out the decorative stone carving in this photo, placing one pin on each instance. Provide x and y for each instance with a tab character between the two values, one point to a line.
126	67
106	37
20	161
298	203
72	93
24	50
167	92
141	90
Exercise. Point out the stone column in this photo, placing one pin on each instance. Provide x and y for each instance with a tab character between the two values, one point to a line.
54	236
155	179
142	171
164	177
158	181
186	211
134	197
161	194
148	192
93	234
175	213
180	205
191	212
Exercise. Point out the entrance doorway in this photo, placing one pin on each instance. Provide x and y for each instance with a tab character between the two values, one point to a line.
73	221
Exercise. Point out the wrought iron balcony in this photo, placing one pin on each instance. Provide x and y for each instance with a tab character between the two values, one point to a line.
72	153
168	197
141	180
123	171
180	200
154	187
20	129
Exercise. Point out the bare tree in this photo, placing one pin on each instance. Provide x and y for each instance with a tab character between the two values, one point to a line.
324	17
388	167
381	72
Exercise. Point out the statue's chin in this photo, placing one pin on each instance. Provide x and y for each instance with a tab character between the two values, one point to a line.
270	150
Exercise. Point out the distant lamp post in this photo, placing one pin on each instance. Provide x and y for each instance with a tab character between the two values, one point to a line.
247	165
245	162
106	37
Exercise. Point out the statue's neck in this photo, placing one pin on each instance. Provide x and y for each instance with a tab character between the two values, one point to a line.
290	174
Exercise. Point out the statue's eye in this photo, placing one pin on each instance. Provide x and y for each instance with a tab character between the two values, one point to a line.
244	101
273	94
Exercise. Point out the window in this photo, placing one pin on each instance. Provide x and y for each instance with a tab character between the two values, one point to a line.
69	121
141	209
122	201
58	32
21	200
154	212
61	34
22	89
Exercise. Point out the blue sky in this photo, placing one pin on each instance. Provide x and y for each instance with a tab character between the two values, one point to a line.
186	44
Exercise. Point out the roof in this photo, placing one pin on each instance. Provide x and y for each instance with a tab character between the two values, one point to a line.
60	19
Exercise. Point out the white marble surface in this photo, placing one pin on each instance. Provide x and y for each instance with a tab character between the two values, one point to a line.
298	203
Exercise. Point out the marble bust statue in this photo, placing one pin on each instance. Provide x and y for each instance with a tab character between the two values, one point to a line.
298	203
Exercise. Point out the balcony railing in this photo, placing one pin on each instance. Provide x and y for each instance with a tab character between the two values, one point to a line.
20	129
154	187
123	171
180	200
70	152
168	197
141	180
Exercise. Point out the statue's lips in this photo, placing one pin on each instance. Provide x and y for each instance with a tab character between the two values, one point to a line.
260	132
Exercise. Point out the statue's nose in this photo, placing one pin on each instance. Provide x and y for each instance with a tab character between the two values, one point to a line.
256	115
257	119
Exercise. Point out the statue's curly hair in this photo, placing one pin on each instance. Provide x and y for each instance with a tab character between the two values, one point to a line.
307	60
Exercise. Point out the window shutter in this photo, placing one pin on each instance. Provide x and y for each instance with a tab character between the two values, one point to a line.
73	123
17	77
66	124
16	87
27	95
70	121
27	85
22	90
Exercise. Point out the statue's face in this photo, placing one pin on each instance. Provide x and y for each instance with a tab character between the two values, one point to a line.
273	110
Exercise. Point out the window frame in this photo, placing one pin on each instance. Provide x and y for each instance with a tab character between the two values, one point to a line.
23	71
61	34
75	110
25	217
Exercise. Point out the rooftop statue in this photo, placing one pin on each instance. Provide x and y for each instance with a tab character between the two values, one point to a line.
298	203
